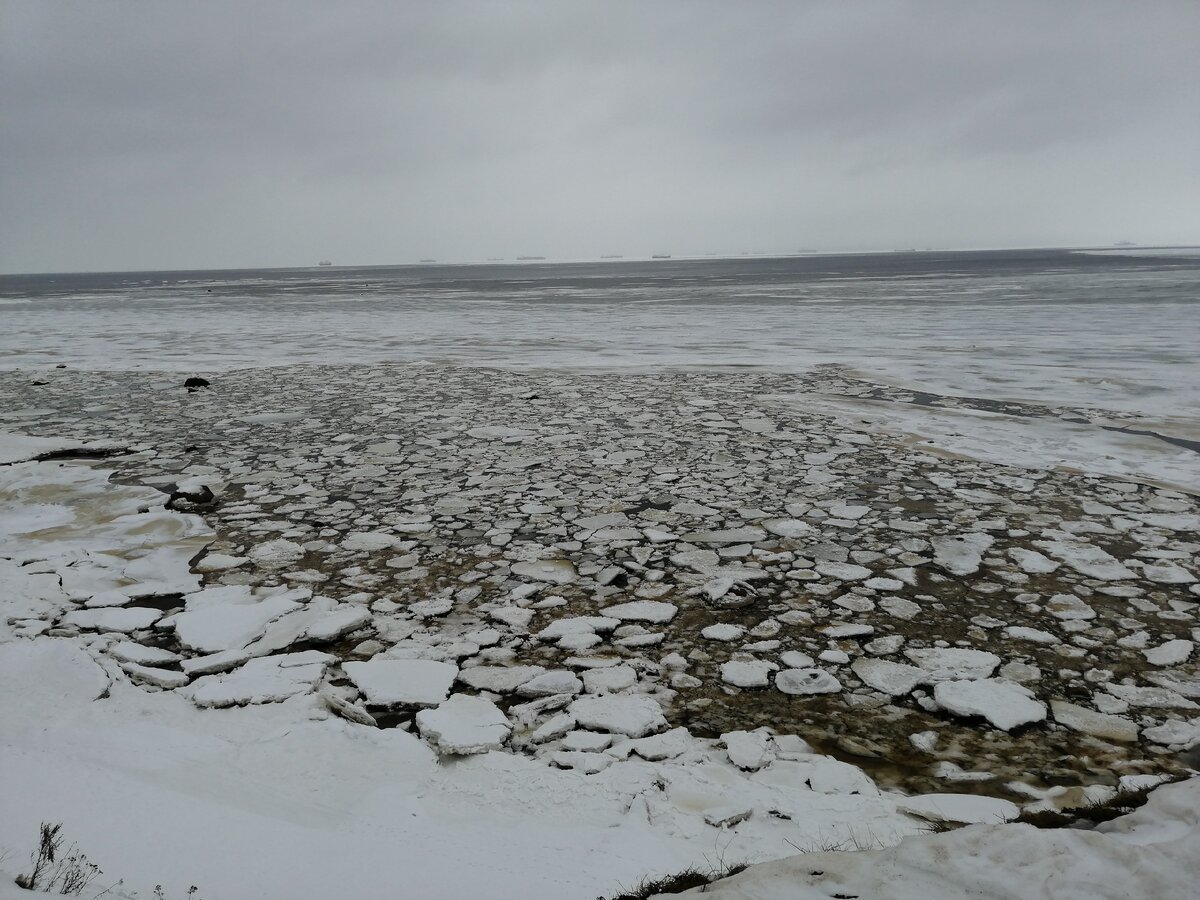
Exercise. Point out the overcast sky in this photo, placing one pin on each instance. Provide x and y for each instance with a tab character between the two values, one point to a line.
277	132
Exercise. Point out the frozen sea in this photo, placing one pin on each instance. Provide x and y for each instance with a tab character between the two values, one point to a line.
1111	331
1071	334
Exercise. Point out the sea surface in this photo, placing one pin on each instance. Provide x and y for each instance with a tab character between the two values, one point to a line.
1112	330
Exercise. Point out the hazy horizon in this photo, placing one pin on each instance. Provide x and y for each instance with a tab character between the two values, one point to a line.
158	138
620	258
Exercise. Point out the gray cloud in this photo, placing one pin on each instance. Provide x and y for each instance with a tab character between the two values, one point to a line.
277	132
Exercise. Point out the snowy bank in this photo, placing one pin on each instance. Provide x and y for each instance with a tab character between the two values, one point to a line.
1153	852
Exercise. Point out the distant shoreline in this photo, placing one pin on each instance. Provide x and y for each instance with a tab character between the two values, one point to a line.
621	259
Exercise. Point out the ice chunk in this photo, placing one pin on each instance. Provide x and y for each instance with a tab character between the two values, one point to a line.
464	724
787	528
843	571
227	618
642	611
402	682
750	750
722	632
1004	704
944	663
163	678
630	714
1068	606
555	681
667	745
267	679
1086	559
370	541
575	625
894	679
277	554
961	554
129	651
609	680
747	673
1171	653
555	571
338	623
1086	721
498	679
807	681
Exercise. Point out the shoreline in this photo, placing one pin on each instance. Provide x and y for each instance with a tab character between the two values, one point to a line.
768	571
741	393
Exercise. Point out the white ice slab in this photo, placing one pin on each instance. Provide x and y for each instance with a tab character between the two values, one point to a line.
402	682
464	725
1004	704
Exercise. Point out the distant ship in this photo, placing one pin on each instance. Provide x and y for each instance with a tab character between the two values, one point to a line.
612	256
325	262
530	257
428	260
660	256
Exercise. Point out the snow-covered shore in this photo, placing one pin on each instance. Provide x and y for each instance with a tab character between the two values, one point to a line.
287	799
1151	853
664	599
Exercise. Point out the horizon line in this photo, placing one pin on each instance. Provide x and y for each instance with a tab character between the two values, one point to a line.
617	259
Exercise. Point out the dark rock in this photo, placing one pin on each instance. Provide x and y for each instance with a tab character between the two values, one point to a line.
186	500
195	383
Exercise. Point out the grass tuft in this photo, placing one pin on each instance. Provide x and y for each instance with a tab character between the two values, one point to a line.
677	883
56	871
68	872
